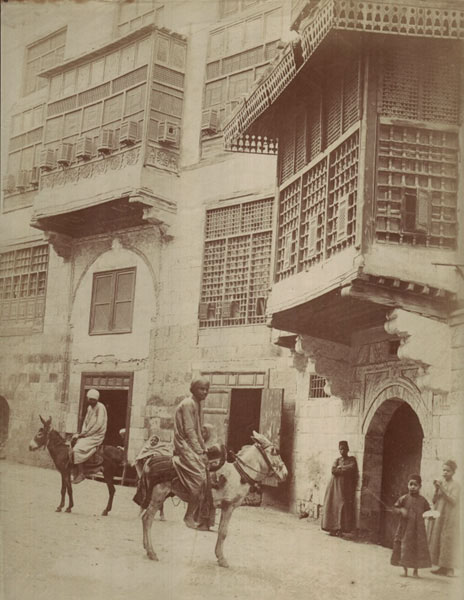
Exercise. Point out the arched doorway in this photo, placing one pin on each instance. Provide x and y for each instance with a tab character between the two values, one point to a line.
392	451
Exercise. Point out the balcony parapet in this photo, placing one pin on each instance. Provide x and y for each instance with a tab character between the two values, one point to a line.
431	20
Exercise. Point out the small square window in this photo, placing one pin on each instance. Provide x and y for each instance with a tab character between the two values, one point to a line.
112	302
316	387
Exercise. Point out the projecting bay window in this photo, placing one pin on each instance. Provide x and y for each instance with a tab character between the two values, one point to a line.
138	13
42	55
112	302
238	54
236	264
23	280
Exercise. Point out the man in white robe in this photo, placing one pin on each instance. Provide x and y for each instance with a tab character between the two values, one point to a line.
92	434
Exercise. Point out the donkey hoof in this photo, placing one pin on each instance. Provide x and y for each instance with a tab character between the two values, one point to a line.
152	555
223	563
68	510
105	513
162	518
58	509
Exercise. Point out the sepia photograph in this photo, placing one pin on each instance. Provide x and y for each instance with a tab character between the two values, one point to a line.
232	300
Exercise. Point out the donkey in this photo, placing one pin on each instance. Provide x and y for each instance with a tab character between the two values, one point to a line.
251	466
48	438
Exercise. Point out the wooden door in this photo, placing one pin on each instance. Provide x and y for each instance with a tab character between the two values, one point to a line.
216	412
270	420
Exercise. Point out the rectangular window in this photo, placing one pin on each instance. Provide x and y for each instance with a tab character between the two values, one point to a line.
42	55
23	277
316	387
112	302
236	264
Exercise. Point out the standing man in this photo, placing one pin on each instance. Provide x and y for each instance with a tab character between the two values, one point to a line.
338	515
92	434
190	459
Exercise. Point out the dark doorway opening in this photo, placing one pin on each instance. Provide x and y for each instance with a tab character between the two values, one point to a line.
245	407
402	453
4	424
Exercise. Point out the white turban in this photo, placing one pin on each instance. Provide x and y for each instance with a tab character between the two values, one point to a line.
93	393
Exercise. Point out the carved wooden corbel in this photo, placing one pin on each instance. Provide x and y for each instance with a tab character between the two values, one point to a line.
62	244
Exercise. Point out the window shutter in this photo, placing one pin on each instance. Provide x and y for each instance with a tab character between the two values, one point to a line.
287	251
226	310
423	210
123	300
342	218
312	231
260	306
203	309
101	312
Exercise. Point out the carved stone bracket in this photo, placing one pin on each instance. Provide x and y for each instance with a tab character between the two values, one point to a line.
62	244
427	342
331	360
152	215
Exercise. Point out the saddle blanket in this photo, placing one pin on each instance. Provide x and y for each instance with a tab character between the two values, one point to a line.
157	469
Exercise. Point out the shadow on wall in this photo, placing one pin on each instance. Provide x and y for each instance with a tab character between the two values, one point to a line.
4	424
311	506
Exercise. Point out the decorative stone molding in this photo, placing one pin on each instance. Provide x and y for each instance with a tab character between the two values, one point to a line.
331	360
427	342
162	159
73	174
62	244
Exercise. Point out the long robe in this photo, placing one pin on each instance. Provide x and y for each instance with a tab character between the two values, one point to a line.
410	548
188	446
443	533
92	434
152	447
339	501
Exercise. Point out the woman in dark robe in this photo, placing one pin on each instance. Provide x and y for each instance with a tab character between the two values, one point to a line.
339	503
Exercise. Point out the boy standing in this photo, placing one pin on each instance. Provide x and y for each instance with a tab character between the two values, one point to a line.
410	548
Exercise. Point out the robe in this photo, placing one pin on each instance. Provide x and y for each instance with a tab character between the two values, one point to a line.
93	433
152	447
339	501
443	533
410	548
188	446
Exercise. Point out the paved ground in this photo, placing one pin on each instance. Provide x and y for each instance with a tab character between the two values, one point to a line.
273	555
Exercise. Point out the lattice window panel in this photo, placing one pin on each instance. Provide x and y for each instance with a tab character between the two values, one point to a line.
421	81
351	95
417	163
165	75
236	267
316	387
314	128
23	275
56	108
313	215
236	283
333	110
287	150
343	184
133	78
259	276
95	94
289	210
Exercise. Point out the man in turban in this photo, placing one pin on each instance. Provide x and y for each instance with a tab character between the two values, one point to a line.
92	434
190	459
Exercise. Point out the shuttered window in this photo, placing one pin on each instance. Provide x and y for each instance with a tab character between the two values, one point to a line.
112	302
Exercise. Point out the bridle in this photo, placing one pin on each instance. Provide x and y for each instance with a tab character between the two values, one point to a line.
240	464
47	432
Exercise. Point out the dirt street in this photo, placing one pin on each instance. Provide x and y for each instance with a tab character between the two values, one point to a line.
273	555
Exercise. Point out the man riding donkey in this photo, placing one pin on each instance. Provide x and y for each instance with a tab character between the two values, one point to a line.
87	442
190	457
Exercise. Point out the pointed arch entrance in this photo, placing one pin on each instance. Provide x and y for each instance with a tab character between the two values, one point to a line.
392	451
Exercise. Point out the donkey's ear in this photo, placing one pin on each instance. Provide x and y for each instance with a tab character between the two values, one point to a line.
43	422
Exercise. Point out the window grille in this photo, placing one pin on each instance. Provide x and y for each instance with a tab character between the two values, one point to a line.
343	184
317	211
421	81
42	55
138	13
417	179
236	264
23	278
24	149
165	75
289	210
313	214
112	302
316	387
